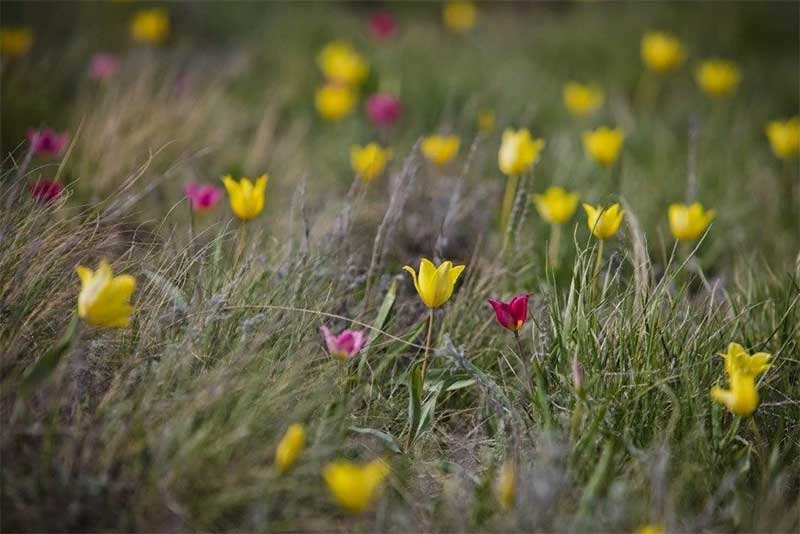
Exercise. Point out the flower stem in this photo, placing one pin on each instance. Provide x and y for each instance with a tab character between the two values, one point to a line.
554	246
599	262
427	346
241	245
525	366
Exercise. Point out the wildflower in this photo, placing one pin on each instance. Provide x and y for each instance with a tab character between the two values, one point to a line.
651	528
103	66
556	205
662	52
440	149
104	298
582	99
603	145
289	448
486	121
346	345
506	486
369	161
687	223
384	109
354	486
742	370
718	78
15	42
150	26
603	222
340	63
46	191
202	197
382	25
334	102
511	315
518	151
47	141
459	15
435	284
784	137
247	200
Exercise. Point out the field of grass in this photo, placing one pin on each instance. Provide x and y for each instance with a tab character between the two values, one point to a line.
598	417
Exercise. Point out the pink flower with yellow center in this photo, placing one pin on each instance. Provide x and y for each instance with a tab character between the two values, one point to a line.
346	345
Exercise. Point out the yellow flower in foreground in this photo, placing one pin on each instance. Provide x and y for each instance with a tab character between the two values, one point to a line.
742	370
247	200
603	222
15	42
459	15
435	284
486	121
650	529
291	445
718	78
519	152
334	102
369	161
582	99
353	486
104	298
340	62
662	52
784	137
556	205
687	223
150	26
440	149
506	486
603	145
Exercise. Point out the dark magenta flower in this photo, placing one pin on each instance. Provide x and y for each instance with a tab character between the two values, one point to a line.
47	141
383	109
46	191
103	66
202	197
511	315
382	25
346	345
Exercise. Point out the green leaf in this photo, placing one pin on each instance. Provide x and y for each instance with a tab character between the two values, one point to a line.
387	438
414	400
47	363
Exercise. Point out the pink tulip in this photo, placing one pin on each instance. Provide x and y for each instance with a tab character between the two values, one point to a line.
103	66
382	25
346	345
46	191
511	315
47	141
384	109
202	197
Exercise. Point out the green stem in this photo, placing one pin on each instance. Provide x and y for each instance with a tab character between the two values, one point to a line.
525	366
554	246
599	262
427	346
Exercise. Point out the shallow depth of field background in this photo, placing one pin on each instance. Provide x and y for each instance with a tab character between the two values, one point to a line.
172	425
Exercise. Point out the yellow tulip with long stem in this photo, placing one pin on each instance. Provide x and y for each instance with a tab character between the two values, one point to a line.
434	285
604	224
687	223
718	78
556	206
150	26
369	161
581	100
440	149
518	154
662	53
104	298
784	140
247	203
603	145
742	370
290	447
353	486
335	101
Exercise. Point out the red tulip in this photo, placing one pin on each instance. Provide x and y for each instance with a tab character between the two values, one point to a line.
202	197
511	315
46	191
47	141
382	25
384	109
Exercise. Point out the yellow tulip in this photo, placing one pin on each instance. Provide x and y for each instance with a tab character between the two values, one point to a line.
369	161
556	205
662	52
459	16
687	223
247	200
354	486
582	99
650	529
784	137
486	121
718	78
334	101
339	62
290	447
440	149
104	298
518	152
603	145
435	284
150	26
603	222
506	486
15	42
742	370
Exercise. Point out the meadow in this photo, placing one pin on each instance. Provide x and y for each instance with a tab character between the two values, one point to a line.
400	267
